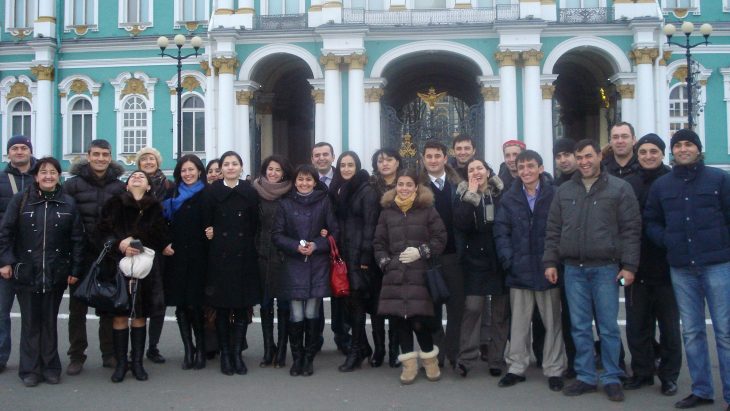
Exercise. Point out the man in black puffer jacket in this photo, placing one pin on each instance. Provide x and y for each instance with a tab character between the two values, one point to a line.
95	180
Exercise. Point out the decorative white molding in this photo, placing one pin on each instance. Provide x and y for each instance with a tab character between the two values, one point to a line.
173	125
119	83
10	26
614	54
259	54
68	17
179	16
123	19
430	46
67	102
5	105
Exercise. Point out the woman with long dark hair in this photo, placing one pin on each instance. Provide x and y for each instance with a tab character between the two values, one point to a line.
135	215
274	181
356	207
213	171
41	251
301	217
409	233
185	270
233	280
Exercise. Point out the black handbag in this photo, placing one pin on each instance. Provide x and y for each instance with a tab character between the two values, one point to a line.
23	274
436	284
102	295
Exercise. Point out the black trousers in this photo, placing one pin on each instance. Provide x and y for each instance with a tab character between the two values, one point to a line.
448	340
645	306
39	334
340	326
421	326
78	342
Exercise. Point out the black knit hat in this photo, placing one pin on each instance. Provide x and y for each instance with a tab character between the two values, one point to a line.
687	135
652	138
19	140
563	145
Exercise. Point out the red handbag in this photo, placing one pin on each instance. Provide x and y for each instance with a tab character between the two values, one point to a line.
338	271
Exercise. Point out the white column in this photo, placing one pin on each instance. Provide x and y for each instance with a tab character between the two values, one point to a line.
662	99
356	102
243	140
372	132
628	104
492	140
508	93
226	101
318	97
333	101
532	96
265	112
224	7
43	110
45	24
210	120
644	59
546	117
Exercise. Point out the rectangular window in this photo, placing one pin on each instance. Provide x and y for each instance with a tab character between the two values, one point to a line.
25	13
581	4
138	11
81	128
83	13
194	10
677	4
429	4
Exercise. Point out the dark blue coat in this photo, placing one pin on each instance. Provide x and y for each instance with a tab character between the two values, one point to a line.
688	213
520	236
302	218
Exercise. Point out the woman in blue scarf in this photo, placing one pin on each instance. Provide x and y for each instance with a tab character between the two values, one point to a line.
185	270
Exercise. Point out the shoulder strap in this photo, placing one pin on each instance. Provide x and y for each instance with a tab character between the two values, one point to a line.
13	184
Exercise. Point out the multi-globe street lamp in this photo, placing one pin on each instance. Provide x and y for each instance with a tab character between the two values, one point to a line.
687	28
162	43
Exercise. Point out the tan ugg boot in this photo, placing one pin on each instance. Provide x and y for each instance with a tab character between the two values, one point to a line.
431	364
410	367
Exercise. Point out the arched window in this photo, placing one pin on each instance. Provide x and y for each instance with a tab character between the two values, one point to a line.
193	125
81	126
20	119
678	108
134	125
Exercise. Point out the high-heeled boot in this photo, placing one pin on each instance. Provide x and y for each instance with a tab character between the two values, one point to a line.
311	340
197	322
183	323
282	327
240	326
357	352
378	324
120	340
139	335
393	347
267	329
222	326
296	341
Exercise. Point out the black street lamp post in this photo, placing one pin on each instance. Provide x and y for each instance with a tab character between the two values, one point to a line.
687	29
162	43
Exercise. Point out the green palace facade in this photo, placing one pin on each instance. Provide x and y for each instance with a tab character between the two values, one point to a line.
276	76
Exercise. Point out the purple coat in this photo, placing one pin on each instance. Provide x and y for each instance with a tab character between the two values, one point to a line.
302	218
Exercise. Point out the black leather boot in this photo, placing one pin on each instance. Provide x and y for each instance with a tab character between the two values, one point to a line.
240	326
378	324
311	340
282	326
197	321
296	340
222	326
393	348
139	335
183	323
120	340
357	352
267	328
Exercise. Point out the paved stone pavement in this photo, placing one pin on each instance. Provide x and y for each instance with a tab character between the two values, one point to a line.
171	388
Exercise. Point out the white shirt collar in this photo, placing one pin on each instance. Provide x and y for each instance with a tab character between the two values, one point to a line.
442	177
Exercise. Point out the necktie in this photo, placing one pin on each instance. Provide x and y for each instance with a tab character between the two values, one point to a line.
323	179
440	183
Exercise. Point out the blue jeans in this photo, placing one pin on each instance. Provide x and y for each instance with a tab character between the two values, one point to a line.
7	295
694	286
304	309
587	288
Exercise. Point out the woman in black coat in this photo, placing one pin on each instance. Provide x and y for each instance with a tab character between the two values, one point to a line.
135	215
41	250
233	280
474	213
356	207
386	164
300	219
274	181
185	270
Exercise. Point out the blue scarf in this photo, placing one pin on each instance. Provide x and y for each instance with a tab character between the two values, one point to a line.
171	205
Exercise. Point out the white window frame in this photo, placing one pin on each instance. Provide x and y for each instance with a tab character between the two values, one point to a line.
601	3
703	76
69	16
146	128
10	26
385	4
172	86
67	101
119	83
695	5
71	113
179	9
123	19
6	105
185	96
726	6
265	7
12	110
726	87
677	85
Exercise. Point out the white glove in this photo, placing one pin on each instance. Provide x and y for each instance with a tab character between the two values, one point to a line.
409	255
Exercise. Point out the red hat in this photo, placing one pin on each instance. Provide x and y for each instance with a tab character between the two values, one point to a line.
510	143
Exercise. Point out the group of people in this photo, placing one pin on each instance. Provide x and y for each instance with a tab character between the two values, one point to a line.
529	260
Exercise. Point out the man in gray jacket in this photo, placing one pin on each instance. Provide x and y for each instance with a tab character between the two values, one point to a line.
594	229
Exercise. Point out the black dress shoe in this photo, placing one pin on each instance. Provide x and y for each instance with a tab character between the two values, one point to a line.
569	374
635	382
461	370
669	388
31	380
510	379
614	392
578	388
692	401
555	383
495	372
153	354
52	379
